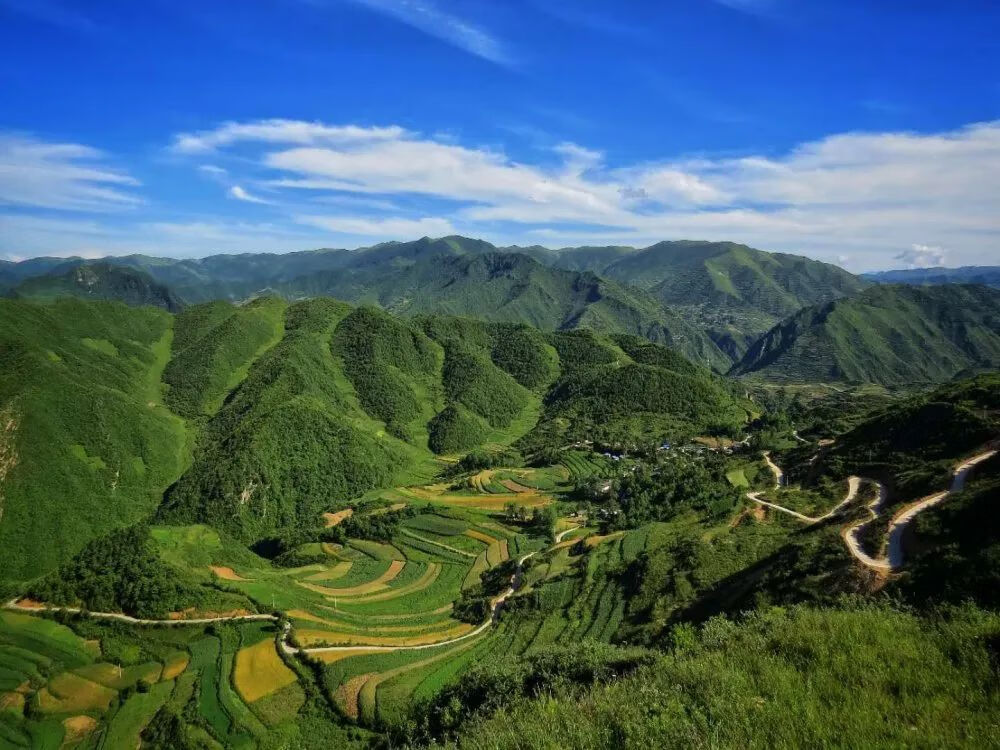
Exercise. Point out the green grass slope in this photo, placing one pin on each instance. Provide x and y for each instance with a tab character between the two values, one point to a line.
797	677
889	335
86	444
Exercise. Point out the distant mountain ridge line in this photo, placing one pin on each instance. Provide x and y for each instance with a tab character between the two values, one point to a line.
723	304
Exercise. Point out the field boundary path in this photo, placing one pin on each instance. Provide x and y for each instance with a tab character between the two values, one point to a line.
497	603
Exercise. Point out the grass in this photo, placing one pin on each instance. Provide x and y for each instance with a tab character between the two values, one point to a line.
279	706
133	715
799	677
205	658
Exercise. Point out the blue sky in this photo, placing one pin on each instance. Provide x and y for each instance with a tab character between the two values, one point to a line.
862	133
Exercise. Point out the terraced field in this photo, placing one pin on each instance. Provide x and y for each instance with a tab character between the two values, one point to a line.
378	616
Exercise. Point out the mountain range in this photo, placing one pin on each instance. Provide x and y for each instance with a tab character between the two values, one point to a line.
988	275
723	304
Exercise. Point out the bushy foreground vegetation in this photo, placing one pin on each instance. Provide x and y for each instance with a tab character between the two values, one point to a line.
864	676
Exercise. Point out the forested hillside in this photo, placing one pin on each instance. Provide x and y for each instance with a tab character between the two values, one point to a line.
86	444
100	281
733	291
888	334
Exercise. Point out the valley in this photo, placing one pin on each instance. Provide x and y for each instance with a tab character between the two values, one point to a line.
304	523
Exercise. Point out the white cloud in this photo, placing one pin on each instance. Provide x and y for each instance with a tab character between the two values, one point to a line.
240	194
862	195
428	18
856	198
391	228
279	131
29	236
922	256
60	176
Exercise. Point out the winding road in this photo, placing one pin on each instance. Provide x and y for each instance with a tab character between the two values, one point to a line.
894	557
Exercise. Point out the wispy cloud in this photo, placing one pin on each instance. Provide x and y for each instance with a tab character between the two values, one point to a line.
240	194
61	176
277	131
426	16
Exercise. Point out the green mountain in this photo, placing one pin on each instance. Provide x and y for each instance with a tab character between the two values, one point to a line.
87	444
350	400
888	334
435	277
450	275
671	292
102	281
734	291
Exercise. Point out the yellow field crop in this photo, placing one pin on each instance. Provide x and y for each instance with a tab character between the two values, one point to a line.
332	519
376	584
260	671
594	539
485	538
175	665
226	573
69	693
78	727
310	638
346	696
337	571
12	701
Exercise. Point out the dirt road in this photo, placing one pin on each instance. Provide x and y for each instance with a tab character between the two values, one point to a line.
853	483
894	558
